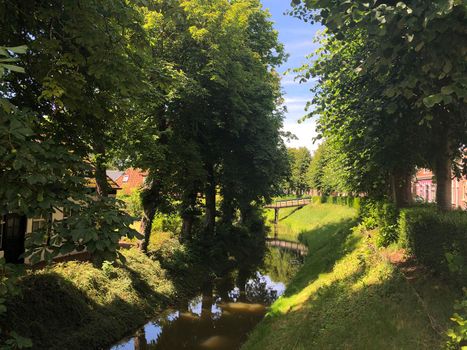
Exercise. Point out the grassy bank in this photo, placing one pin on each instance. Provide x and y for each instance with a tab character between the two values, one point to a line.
74	305
348	296
295	223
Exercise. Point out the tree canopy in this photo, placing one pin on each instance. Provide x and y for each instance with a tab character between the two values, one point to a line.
186	90
392	90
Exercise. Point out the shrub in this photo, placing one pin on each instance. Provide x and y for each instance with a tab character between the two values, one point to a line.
437	239
458	332
9	275
353	202
383	215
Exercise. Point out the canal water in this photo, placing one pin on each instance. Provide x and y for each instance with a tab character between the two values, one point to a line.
221	317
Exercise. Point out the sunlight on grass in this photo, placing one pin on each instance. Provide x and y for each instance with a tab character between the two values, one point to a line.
294	222
347	296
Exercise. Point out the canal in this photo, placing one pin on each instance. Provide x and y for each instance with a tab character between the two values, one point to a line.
223	314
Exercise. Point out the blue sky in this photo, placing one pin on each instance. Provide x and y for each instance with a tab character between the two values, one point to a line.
297	36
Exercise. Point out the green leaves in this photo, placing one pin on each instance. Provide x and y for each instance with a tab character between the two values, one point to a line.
6	63
458	333
432	100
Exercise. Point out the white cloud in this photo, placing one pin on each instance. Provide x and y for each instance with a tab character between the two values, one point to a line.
305	133
295	100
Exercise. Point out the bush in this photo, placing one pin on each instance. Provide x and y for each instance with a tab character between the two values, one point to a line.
458	332
383	215
437	239
353	202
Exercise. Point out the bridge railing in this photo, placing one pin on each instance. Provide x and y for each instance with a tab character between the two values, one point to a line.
290	203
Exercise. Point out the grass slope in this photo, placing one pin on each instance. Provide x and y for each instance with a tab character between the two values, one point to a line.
294	223
74	305
346	296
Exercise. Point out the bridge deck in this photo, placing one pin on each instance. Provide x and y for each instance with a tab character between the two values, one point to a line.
303	249
299	202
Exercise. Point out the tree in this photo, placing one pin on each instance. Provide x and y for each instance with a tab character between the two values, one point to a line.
69	100
223	110
409	41
300	159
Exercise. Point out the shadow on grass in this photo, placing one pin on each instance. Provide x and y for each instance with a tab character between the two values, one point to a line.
326	245
351	314
289	214
55	314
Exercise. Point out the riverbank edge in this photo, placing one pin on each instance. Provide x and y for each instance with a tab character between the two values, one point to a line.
311	307
74	305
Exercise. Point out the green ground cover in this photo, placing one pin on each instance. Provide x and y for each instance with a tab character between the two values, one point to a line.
294	223
348	295
75	305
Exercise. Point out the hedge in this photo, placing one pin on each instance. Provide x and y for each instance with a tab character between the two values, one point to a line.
437	239
353	202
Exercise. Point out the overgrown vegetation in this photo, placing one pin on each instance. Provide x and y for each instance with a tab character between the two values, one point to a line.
87	307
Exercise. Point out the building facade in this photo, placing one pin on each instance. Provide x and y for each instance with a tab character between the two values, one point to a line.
424	189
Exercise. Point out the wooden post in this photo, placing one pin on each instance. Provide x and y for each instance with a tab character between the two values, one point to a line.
276	221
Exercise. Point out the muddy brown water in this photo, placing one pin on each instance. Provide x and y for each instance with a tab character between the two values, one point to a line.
217	319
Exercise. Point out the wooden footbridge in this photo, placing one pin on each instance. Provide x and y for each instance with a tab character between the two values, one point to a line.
294	246
288	203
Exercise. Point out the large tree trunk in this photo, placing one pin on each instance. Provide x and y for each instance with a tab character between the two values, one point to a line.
402	188
102	186
228	208
149	199
187	227
443	171
188	216
210	219
149	211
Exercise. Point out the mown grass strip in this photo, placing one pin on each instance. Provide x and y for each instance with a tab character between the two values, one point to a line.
348	297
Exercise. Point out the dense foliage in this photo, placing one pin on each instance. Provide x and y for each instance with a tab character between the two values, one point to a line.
184	89
299	163
438	240
189	93
391	93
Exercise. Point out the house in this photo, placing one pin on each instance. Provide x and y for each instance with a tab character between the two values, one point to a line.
15	227
424	187
131	179
114	174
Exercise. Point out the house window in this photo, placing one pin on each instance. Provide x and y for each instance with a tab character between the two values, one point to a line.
125	178
38	224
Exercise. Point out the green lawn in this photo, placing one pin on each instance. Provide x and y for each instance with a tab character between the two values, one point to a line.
295	221
346	296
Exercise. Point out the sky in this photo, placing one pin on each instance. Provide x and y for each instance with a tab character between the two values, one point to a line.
297	37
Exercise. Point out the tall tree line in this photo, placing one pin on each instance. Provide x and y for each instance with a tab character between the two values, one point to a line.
392	91
184	89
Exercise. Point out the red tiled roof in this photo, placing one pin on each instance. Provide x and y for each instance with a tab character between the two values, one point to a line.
134	179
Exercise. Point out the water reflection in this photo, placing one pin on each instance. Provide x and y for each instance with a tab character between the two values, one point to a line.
219	318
